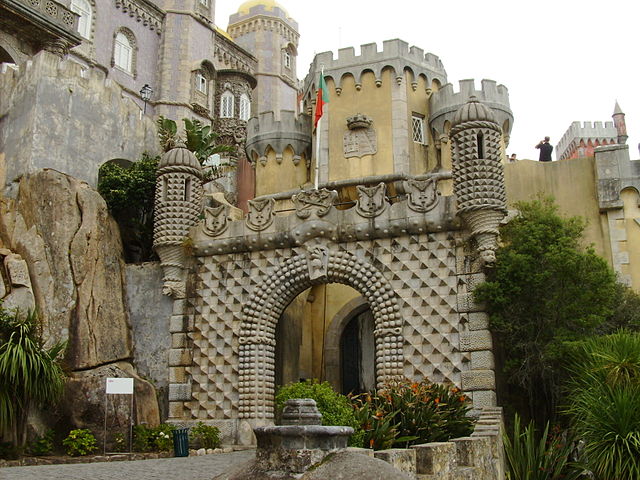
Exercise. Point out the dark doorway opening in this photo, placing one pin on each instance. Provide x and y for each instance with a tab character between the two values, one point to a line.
358	354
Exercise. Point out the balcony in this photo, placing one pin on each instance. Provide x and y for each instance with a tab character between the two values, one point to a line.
39	22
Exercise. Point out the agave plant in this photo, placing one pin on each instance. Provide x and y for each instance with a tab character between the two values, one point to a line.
604	404
30	375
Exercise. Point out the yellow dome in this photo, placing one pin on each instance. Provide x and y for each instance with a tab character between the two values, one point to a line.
268	5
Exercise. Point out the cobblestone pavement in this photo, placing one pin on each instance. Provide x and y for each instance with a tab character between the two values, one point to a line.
187	468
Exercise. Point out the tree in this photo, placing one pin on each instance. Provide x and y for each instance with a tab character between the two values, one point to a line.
198	138
129	194
30	374
545	290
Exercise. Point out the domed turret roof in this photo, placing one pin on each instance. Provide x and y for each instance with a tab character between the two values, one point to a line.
267	4
473	110
179	157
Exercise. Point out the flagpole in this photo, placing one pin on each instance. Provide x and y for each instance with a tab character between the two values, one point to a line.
318	133
318	127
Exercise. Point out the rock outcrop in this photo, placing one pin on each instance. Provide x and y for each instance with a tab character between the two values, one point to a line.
59	228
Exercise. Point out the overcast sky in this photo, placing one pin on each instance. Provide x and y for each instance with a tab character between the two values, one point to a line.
562	61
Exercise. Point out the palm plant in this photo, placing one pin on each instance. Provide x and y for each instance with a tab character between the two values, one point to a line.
604	404
537	458
198	138
30	374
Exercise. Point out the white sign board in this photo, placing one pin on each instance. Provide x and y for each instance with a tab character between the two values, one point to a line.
119	386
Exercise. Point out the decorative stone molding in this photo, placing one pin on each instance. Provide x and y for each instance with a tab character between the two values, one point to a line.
317	202
144	12
216	220
360	139
261	214
372	201
422	195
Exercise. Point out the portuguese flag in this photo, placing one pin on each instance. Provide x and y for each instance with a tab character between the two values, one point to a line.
322	98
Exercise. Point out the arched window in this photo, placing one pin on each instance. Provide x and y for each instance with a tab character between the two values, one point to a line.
83	8
124	51
226	105
245	107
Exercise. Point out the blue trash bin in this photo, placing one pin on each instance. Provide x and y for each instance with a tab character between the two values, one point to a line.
181	442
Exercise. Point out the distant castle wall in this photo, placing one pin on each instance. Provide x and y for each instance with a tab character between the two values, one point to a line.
591	134
60	115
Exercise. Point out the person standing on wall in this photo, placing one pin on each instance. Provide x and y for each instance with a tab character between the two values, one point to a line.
545	150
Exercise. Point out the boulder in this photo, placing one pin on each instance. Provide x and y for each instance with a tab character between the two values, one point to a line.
62	229
83	405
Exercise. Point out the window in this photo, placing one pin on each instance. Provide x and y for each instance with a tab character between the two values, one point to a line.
123	53
201	83
417	125
287	59
83	8
245	107
226	105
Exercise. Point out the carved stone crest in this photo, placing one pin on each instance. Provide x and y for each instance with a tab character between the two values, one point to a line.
360	139
260	214
314	201
216	220
372	201
422	195
318	261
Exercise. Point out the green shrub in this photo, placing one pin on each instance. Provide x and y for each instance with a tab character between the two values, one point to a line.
41	445
334	407
154	439
9	451
80	442
603	404
206	436
543	458
119	442
408	413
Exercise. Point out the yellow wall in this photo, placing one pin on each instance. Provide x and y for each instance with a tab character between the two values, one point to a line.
317	307
631	246
573	185
273	177
417	102
373	101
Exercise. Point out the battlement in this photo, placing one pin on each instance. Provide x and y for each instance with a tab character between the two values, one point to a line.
395	53
59	114
587	131
290	130
261	10
446	101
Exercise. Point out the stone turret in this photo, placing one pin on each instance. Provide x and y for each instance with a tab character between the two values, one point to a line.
478	177
445	103
178	204
264	28
279	150
620	124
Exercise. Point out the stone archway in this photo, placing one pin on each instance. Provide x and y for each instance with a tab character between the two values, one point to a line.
275	291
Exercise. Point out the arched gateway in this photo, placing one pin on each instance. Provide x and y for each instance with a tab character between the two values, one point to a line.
415	262
272	295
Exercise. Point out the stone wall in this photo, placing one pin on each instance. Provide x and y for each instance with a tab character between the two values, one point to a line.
477	457
59	115
149	313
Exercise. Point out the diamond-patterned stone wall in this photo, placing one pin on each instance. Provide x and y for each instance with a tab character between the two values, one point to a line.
410	282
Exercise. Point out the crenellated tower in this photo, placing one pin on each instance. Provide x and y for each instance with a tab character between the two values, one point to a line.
445	103
478	177
264	28
280	150
376	121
